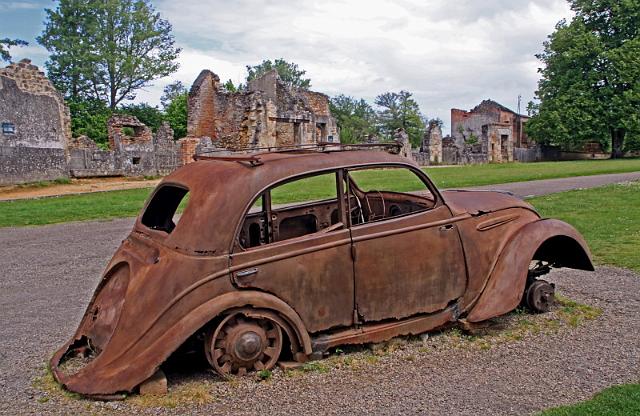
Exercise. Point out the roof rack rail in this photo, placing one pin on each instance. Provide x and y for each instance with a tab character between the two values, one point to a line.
251	155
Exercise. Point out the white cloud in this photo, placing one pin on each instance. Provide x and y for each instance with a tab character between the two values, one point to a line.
448	53
19	5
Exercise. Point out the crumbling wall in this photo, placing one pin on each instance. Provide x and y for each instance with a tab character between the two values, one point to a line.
402	137
266	113
137	154
432	143
34	126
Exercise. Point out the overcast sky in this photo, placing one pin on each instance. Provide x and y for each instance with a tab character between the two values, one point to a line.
448	53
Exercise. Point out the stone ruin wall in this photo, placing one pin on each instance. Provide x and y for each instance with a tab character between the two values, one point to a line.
140	154
267	113
30	104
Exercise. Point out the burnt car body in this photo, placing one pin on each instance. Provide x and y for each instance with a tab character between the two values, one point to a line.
253	278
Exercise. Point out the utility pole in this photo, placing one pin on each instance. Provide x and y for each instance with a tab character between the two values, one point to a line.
519	118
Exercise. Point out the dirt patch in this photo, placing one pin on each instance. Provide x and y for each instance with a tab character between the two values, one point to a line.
75	186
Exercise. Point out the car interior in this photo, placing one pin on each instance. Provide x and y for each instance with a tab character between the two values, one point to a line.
324	216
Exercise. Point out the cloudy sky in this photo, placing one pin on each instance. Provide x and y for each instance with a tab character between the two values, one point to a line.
448	53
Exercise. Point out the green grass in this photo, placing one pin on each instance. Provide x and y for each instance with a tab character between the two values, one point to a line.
608	218
99	205
115	204
614	401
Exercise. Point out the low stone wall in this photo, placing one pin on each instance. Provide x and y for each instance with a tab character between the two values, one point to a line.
526	155
21	164
91	163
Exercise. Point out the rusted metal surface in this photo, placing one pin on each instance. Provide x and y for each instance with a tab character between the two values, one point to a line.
362	267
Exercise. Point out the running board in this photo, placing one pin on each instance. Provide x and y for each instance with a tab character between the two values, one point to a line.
384	331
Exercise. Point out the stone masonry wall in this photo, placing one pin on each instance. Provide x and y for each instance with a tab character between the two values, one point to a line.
37	126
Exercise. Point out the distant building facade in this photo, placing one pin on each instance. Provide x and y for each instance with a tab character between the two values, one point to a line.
489	132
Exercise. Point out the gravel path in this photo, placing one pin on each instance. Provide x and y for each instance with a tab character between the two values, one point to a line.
49	272
548	186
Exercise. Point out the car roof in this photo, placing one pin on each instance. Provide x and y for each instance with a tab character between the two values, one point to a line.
222	190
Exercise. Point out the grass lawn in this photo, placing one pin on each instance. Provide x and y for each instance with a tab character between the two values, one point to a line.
608	218
614	401
115	204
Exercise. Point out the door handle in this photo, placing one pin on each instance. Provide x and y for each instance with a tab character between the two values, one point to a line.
446	227
247	272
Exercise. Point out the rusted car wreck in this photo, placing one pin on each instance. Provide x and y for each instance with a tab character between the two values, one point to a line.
255	276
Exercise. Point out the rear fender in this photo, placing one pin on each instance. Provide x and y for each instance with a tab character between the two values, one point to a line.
131	369
548	239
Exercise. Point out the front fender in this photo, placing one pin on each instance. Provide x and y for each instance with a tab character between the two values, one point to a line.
549	239
131	369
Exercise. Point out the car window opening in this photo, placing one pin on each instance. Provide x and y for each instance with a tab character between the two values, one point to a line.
275	217
161	213
372	197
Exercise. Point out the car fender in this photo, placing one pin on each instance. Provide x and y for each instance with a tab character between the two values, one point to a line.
127	372
546	239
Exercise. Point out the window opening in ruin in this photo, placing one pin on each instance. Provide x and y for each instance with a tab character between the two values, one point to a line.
8	128
161	212
135	160
330	139
293	209
381	193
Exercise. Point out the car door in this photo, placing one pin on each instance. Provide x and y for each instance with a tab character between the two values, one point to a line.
408	254
300	251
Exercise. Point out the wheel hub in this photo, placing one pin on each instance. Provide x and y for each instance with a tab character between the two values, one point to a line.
243	342
248	346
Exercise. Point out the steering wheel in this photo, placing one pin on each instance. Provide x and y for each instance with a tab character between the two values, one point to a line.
356	213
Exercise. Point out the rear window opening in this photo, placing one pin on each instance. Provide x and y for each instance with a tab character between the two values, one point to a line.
163	207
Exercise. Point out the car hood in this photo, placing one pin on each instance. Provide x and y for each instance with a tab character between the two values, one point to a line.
482	202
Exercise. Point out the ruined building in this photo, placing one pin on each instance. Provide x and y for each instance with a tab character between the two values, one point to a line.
488	133
35	126
266	113
133	151
36	142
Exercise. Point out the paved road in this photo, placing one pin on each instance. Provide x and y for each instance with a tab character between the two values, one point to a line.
550	186
48	274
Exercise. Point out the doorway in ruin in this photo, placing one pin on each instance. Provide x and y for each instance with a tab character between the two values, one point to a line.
321	132
297	133
504	147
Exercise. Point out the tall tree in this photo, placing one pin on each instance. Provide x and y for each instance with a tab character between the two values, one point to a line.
175	113
151	116
288	72
590	83
171	91
400	110
107	49
5	44
356	118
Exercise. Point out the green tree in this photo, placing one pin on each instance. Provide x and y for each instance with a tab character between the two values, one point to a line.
107	49
288	72
146	113
229	86
590	84
356	118
400	110
5	44
176	115
89	117
171	91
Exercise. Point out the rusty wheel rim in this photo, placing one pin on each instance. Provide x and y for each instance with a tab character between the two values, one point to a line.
540	295
241	344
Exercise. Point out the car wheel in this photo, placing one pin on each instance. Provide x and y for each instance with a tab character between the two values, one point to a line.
539	296
240	344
